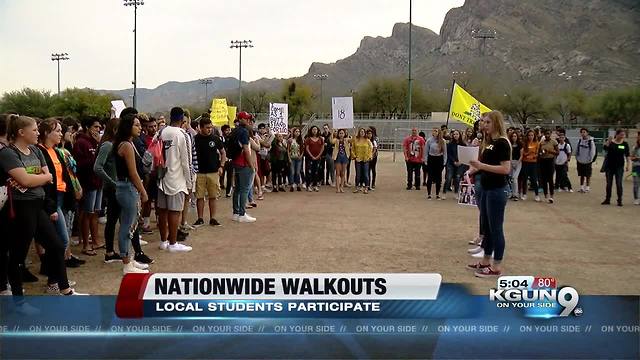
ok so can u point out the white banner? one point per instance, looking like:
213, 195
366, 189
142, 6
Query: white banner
342, 110
279, 118
283, 286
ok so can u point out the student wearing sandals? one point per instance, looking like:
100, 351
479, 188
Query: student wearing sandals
30, 214
341, 156
129, 189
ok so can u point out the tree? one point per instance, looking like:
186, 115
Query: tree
569, 104
28, 102
257, 100
299, 97
82, 102
618, 107
523, 104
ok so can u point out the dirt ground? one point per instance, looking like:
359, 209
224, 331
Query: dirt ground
594, 248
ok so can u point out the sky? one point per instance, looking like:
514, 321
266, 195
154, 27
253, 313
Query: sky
183, 40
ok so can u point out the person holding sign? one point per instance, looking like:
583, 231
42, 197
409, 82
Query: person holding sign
313, 148
617, 154
341, 155
495, 166
362, 153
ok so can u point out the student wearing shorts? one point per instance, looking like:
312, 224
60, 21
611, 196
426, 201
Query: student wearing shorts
211, 160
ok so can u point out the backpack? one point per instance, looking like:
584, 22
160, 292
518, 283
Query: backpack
156, 151
233, 145
590, 141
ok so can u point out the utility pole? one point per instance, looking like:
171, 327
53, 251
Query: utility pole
206, 83
322, 78
240, 44
410, 48
58, 57
135, 4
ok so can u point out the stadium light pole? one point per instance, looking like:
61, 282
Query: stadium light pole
483, 35
240, 44
206, 83
59, 57
322, 78
410, 48
135, 4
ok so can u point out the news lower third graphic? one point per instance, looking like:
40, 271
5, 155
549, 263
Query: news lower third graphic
323, 316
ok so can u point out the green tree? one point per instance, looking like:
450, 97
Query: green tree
299, 97
82, 102
618, 107
28, 102
523, 104
257, 101
569, 104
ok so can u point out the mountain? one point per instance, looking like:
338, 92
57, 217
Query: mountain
547, 44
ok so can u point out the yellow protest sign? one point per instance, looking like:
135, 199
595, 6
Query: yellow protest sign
232, 114
219, 112
464, 107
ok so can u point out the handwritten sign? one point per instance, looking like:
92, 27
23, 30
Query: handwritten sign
279, 118
219, 112
342, 110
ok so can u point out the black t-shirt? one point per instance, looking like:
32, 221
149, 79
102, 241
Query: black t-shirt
515, 151
498, 151
208, 151
616, 154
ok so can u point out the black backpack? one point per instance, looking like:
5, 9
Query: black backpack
233, 145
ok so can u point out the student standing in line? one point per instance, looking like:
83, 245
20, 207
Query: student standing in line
585, 155
314, 146
562, 163
516, 164
617, 155
373, 137
435, 156
279, 163
341, 155
413, 149
530, 152
211, 157
362, 152
295, 148
547, 155
454, 167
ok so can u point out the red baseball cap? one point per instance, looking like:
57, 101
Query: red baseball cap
244, 115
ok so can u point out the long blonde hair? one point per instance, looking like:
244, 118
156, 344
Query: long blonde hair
499, 130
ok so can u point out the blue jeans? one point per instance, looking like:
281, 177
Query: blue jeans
636, 182
61, 224
478, 195
452, 178
127, 196
362, 173
242, 183
492, 206
294, 173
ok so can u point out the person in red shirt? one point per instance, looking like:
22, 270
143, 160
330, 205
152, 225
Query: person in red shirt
313, 149
413, 147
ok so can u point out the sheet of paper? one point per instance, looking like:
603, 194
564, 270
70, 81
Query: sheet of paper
117, 106
467, 153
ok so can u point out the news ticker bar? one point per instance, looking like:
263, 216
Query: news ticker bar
160, 294
312, 328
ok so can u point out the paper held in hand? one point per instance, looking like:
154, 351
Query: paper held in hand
342, 111
116, 107
467, 153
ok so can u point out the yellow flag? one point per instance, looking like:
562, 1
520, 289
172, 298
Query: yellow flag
232, 115
464, 107
219, 112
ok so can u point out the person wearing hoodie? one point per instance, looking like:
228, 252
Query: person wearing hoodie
85, 151
585, 155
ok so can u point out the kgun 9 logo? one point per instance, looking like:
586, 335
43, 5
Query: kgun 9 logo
567, 297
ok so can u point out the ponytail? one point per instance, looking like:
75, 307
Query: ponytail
15, 123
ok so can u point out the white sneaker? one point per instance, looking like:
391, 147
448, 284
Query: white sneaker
6, 293
559, 190
235, 217
75, 293
475, 250
587, 189
163, 245
537, 198
444, 197
187, 227
177, 247
636, 202
102, 220
140, 266
523, 197
479, 255
246, 219
131, 269
570, 190
143, 243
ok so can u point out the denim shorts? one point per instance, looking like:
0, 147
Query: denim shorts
92, 201
342, 159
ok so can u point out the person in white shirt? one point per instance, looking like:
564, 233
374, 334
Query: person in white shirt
175, 181
562, 163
